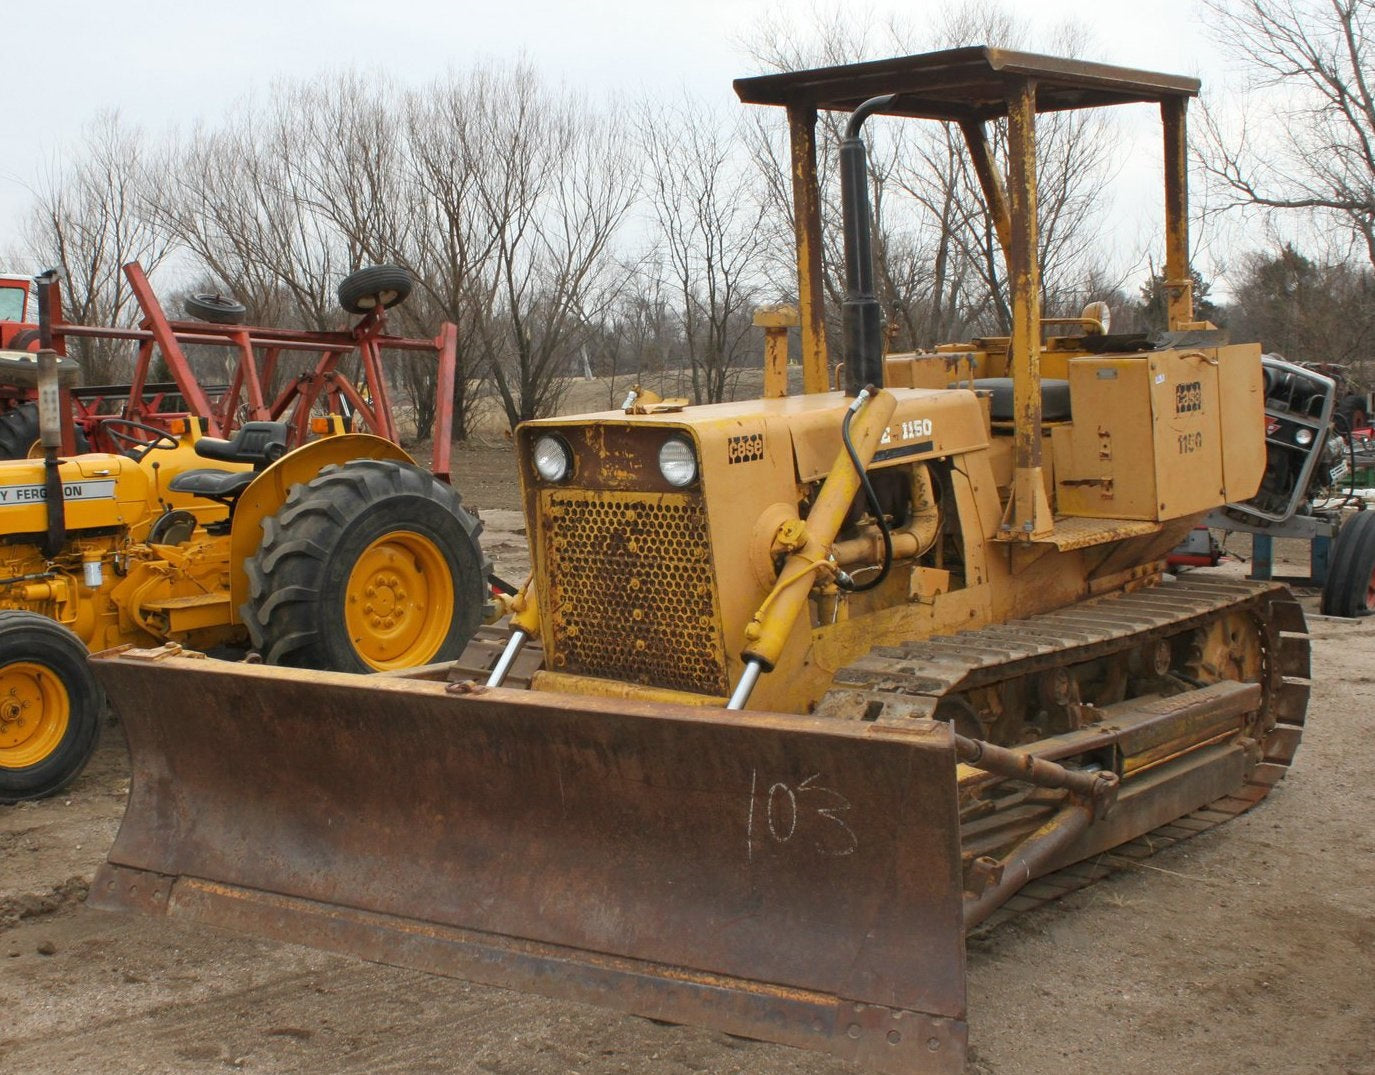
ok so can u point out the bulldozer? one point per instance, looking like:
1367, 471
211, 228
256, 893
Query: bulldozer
338, 552
801, 689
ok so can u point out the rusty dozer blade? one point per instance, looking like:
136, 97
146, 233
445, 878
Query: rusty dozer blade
787, 878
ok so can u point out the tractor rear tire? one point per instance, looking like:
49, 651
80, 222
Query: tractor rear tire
217, 309
1350, 587
386, 286
23, 341
19, 431
50, 707
371, 566
19, 437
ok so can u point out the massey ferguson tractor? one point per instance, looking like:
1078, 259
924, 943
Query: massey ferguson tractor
314, 546
801, 689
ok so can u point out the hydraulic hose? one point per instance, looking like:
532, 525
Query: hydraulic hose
874, 506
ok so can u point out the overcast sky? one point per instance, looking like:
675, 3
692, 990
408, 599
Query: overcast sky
164, 63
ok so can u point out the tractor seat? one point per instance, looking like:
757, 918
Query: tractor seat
212, 484
1054, 398
259, 443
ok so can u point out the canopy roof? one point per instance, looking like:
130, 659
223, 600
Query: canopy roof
971, 83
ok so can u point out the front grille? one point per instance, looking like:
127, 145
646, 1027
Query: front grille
629, 592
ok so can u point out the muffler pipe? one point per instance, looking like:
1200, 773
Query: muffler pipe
861, 316
50, 421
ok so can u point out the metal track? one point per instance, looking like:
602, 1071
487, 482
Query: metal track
892, 684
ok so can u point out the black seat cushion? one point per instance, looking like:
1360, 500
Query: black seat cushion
210, 483
1054, 397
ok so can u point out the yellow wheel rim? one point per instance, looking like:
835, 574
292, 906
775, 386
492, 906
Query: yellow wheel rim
399, 601
35, 711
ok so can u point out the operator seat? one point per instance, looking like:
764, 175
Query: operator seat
1054, 397
259, 443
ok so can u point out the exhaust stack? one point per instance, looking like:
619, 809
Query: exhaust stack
50, 420
863, 328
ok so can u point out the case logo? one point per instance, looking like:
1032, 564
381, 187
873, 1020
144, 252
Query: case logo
1188, 397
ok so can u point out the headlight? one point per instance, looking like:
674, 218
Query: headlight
1303, 437
553, 458
677, 462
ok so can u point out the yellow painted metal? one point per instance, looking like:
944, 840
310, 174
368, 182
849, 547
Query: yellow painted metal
525, 610
1028, 515
1158, 446
35, 710
1179, 283
99, 491
592, 686
191, 613
809, 562
811, 291
775, 321
1241, 383
268, 492
399, 601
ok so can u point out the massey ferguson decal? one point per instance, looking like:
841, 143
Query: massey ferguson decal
17, 495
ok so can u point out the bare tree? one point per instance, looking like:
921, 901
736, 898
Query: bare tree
552, 186
1307, 145
88, 222
639, 337
445, 242
1306, 310
697, 183
228, 197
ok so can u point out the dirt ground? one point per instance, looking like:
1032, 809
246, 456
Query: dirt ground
1249, 948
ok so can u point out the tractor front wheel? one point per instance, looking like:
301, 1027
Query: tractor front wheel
50, 707
371, 566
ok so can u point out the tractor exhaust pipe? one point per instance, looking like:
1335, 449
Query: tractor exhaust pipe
863, 327
50, 420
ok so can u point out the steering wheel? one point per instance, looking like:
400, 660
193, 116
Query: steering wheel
122, 432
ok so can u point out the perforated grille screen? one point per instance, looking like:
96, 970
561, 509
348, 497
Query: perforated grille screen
630, 594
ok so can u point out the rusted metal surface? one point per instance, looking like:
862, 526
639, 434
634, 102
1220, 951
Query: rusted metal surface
627, 577
1179, 283
775, 321
973, 83
155, 321
786, 878
257, 350
990, 180
1187, 760
1028, 513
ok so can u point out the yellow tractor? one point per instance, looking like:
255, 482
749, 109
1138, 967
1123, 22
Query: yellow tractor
801, 689
341, 553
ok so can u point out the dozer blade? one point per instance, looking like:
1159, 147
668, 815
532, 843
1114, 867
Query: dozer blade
787, 878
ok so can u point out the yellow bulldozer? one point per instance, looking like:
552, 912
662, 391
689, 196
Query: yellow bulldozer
337, 553
801, 689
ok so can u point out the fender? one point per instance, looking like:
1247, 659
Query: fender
268, 492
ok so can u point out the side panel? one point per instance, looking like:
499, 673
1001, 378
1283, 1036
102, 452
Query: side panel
1102, 460
1242, 382
1158, 436
1188, 451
